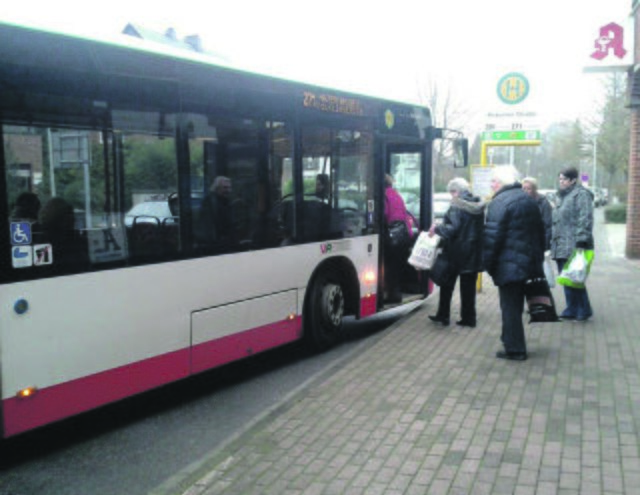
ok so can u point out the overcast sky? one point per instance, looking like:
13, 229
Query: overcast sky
386, 49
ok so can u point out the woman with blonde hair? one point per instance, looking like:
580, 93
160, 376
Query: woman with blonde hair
461, 234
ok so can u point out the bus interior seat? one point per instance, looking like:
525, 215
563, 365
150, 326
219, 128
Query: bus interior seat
145, 237
170, 230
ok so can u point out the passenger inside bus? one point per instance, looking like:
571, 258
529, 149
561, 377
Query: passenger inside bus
171, 226
174, 204
317, 214
58, 229
322, 186
26, 207
215, 225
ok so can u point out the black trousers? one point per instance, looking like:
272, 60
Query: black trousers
392, 266
467, 298
512, 306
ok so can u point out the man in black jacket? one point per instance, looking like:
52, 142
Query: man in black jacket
513, 253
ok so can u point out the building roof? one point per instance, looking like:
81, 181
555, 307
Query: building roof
170, 38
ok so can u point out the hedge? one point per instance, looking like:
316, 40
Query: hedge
616, 213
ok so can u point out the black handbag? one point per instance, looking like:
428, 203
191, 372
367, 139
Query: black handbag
397, 235
443, 271
540, 303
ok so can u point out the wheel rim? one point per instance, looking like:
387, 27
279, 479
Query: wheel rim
333, 304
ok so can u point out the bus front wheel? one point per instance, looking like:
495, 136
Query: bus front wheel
326, 310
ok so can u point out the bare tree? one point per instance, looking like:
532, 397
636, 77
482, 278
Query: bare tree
447, 112
613, 135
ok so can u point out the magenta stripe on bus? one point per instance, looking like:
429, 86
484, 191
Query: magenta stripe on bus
67, 399
368, 306
241, 345
61, 401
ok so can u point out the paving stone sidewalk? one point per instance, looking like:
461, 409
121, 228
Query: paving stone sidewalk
428, 410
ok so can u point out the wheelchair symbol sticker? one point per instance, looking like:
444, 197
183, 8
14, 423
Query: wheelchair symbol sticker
20, 233
21, 256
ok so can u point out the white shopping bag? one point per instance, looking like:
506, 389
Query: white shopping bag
576, 269
424, 251
548, 270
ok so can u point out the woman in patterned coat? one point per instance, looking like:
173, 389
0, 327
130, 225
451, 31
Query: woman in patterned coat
572, 229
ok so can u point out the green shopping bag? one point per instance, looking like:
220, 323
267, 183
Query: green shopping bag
576, 269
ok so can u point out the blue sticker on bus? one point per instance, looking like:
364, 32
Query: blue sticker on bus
20, 233
21, 256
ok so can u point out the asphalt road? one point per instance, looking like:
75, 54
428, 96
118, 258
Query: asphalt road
149, 444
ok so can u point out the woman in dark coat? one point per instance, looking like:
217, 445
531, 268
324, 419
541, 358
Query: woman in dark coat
513, 253
530, 186
461, 233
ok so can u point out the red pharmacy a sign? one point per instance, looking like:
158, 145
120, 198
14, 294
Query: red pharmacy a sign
610, 41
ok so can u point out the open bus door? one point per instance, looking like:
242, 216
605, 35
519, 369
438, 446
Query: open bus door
407, 165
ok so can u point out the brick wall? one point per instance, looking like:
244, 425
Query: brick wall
633, 201
633, 198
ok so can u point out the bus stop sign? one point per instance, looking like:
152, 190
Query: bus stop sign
511, 136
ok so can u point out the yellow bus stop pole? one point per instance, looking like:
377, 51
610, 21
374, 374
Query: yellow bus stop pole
483, 163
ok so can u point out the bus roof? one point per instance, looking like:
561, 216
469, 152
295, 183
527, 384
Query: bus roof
10, 32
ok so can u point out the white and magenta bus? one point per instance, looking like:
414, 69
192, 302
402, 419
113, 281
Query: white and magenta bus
165, 215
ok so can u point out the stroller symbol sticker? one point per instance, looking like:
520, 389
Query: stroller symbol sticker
21, 256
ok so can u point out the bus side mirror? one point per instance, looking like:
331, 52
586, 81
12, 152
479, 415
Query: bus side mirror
460, 152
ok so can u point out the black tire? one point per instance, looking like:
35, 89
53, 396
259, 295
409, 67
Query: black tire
325, 308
